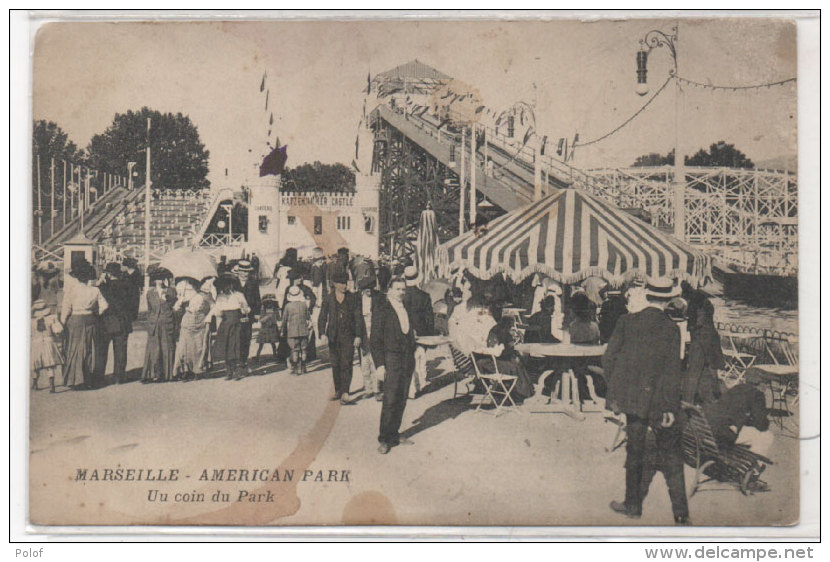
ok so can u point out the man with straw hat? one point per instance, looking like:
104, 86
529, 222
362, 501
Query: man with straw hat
643, 370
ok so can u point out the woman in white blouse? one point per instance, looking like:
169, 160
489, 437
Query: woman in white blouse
228, 310
81, 307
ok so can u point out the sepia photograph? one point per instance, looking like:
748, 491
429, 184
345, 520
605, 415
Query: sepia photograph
415, 272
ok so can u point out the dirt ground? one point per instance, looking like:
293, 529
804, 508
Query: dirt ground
465, 467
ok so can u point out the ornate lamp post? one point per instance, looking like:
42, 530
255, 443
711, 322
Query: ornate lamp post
652, 40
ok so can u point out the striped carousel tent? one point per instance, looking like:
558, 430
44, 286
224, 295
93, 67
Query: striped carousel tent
570, 236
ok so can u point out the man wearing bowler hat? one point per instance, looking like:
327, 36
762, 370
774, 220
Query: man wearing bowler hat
341, 321
114, 326
643, 371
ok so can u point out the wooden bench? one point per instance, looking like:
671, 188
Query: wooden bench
736, 464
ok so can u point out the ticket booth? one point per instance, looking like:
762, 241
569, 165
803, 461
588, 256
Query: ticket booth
79, 247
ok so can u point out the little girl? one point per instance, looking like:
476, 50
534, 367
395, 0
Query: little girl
269, 330
46, 356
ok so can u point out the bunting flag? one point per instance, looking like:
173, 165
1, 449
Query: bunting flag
267, 94
271, 120
569, 236
560, 147
354, 165
274, 163
356, 147
262, 85
369, 83
544, 143
479, 109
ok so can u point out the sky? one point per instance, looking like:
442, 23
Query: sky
583, 73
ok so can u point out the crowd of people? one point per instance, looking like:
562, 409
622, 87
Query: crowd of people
662, 345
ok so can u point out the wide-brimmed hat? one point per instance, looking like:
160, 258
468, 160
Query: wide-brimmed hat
243, 266
340, 277
159, 273
661, 288
410, 275
40, 309
113, 268
295, 294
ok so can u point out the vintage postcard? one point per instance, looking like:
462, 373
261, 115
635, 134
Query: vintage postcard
458, 273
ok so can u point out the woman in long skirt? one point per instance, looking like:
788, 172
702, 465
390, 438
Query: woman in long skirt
229, 309
160, 351
80, 309
190, 347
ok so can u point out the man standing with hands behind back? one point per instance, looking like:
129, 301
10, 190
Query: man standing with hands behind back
643, 370
341, 320
393, 351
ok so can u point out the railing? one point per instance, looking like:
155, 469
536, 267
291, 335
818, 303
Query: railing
724, 207
218, 240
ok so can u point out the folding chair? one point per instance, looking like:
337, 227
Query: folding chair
497, 386
463, 367
736, 464
737, 362
781, 376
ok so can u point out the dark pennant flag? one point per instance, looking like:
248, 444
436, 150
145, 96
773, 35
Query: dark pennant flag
274, 163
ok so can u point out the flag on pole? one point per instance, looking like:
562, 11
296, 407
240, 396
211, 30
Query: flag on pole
274, 163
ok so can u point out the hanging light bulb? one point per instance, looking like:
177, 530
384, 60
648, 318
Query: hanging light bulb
642, 72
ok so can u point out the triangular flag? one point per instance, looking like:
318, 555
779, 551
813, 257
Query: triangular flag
274, 163
271, 121
267, 94
262, 85
354, 165
369, 83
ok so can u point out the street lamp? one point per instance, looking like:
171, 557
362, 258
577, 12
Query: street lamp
130, 172
652, 40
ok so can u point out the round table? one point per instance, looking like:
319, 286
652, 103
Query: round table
565, 397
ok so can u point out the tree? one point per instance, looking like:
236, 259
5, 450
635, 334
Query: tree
178, 157
654, 159
720, 154
319, 177
50, 141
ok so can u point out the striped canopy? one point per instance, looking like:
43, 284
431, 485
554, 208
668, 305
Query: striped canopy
570, 236
426, 245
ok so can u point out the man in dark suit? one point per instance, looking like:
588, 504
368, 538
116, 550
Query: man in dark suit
419, 304
114, 326
643, 371
134, 281
341, 321
393, 351
250, 289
